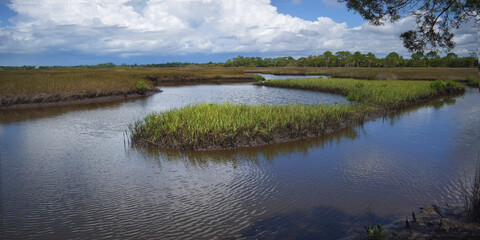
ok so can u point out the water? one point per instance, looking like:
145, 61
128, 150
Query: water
272, 76
67, 173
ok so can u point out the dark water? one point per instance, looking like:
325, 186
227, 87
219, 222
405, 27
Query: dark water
67, 173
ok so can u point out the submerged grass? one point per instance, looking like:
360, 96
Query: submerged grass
214, 126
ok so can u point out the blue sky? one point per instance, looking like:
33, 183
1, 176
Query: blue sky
58, 32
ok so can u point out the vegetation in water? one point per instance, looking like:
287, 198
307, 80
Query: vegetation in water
377, 73
228, 125
471, 196
389, 95
258, 78
206, 126
376, 232
473, 82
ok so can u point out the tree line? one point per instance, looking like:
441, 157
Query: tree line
327, 59
358, 59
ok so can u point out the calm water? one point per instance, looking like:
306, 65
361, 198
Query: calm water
67, 172
272, 76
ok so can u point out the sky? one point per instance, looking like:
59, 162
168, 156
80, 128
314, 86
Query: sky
74, 32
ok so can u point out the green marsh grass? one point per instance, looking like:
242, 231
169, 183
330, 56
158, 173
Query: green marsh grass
473, 82
387, 94
377, 73
220, 126
203, 126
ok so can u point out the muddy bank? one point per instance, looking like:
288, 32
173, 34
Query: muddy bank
430, 222
76, 99
187, 80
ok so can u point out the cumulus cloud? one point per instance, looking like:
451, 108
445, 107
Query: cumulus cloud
179, 27
333, 3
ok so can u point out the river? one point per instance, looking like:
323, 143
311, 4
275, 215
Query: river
69, 172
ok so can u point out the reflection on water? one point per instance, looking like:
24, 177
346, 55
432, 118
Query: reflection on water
67, 174
268, 152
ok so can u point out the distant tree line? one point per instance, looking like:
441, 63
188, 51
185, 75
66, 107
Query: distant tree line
113, 66
358, 59
327, 59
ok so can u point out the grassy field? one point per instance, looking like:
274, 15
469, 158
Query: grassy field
456, 74
40, 86
218, 126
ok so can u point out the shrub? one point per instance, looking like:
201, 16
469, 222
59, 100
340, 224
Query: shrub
141, 87
438, 84
353, 97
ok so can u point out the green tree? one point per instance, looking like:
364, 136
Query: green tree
370, 58
435, 19
344, 58
358, 58
329, 58
417, 60
392, 60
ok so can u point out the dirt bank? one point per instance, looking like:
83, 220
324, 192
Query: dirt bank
186, 80
58, 100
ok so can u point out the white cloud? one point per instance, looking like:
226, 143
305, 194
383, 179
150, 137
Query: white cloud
333, 3
179, 27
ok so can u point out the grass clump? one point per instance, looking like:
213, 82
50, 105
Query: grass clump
473, 82
141, 87
206, 126
258, 78
471, 196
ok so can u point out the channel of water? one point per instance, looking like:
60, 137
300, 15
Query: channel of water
67, 172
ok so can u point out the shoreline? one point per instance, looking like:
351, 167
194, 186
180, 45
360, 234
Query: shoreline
431, 222
76, 100
192, 80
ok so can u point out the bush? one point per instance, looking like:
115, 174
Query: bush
353, 97
141, 87
438, 84
451, 84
